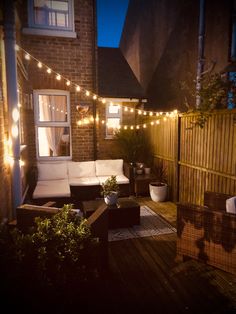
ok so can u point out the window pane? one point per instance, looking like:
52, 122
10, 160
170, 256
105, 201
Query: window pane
113, 109
53, 141
52, 108
112, 125
51, 13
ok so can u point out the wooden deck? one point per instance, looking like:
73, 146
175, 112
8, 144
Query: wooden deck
144, 275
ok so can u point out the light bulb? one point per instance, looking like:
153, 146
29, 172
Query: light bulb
40, 65
58, 77
49, 71
68, 83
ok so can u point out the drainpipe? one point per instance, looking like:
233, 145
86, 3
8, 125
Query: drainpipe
201, 38
94, 64
12, 99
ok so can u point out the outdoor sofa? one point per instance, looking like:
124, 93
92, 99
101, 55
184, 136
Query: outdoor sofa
71, 181
208, 232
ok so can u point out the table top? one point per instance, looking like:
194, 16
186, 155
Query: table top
123, 202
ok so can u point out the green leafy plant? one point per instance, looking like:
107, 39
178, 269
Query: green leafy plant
110, 186
134, 146
160, 173
213, 95
57, 251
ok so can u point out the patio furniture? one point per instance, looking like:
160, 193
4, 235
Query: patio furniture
71, 181
98, 223
125, 213
208, 232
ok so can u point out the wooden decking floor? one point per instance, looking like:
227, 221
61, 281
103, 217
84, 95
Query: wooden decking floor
144, 275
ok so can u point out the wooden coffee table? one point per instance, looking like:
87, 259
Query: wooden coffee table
125, 213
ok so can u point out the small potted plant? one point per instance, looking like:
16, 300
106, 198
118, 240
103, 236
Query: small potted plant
110, 190
159, 188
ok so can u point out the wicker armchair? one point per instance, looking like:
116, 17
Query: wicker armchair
208, 232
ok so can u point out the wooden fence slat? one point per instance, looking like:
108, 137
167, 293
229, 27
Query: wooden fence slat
204, 159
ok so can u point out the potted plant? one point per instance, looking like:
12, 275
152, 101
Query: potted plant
134, 147
158, 189
110, 190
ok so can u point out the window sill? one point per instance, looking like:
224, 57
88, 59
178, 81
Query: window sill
49, 32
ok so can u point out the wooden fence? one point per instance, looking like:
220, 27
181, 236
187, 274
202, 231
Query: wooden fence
197, 159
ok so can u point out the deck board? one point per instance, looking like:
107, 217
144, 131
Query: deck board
147, 276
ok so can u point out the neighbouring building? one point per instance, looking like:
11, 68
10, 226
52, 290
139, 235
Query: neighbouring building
160, 43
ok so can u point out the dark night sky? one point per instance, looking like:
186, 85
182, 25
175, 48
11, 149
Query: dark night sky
110, 18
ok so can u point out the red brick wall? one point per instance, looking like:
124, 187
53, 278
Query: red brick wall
74, 59
5, 185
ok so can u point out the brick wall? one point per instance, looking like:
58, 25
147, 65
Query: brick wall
74, 59
160, 43
5, 185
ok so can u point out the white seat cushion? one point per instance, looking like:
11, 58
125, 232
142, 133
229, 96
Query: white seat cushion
52, 171
52, 188
231, 205
78, 169
121, 179
109, 167
88, 181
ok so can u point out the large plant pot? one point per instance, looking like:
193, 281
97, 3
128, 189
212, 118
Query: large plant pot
111, 199
158, 191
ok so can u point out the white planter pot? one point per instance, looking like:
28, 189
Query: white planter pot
158, 191
111, 199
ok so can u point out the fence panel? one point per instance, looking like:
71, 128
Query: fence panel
197, 159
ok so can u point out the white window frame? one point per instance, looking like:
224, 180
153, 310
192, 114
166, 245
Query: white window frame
48, 30
39, 123
118, 115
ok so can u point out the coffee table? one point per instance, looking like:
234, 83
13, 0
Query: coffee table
125, 213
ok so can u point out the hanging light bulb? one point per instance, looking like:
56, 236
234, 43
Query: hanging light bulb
131, 110
78, 88
27, 56
15, 114
103, 100
140, 112
94, 97
137, 127
87, 93
58, 77
49, 71
68, 83
40, 65
150, 113
144, 126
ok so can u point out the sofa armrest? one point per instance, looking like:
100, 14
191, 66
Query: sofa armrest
128, 171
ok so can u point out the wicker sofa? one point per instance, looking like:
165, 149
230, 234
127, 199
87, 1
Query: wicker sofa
70, 181
208, 232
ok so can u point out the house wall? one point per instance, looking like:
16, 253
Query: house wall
5, 185
74, 59
160, 42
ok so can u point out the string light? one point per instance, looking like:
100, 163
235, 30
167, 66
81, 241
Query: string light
58, 76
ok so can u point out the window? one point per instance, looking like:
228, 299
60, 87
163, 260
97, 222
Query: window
113, 119
50, 17
52, 121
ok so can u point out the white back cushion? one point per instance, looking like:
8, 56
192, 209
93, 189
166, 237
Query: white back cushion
109, 167
79, 169
52, 171
231, 205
